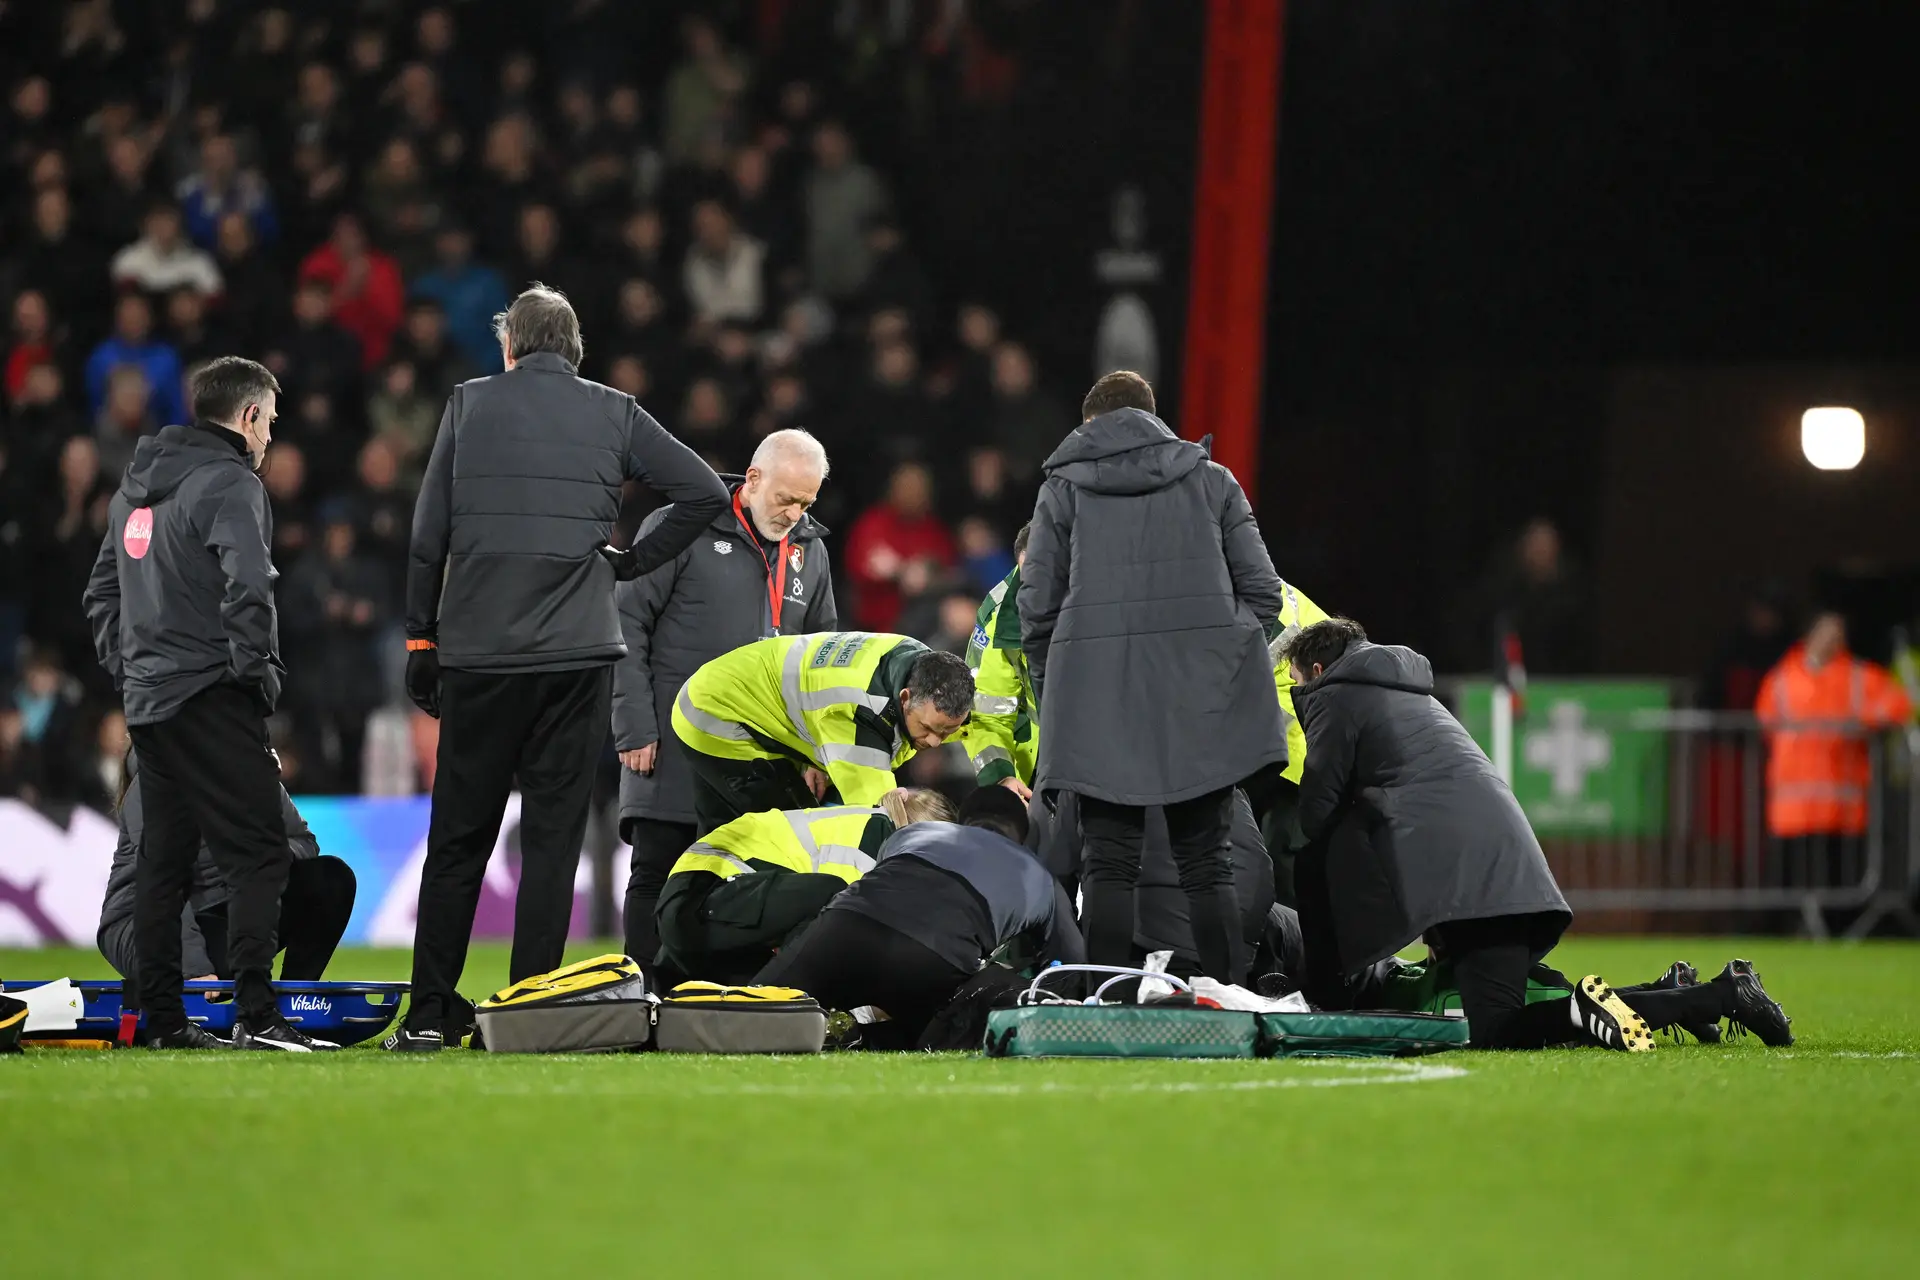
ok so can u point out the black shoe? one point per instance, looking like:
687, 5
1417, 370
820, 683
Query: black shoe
1682, 975
404, 1040
1753, 1009
1606, 1019
277, 1034
191, 1036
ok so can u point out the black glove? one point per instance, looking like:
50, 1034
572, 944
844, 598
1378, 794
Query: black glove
625, 567
423, 680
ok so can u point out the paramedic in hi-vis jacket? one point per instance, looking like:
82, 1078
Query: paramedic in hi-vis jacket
738, 893
1003, 737
758, 570
777, 723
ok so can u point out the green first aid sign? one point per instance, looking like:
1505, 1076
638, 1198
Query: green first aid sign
1584, 763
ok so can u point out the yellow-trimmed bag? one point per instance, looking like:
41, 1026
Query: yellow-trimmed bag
598, 1004
706, 1017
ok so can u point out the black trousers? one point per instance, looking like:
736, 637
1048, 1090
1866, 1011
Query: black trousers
1198, 830
726, 789
849, 959
544, 728
657, 846
207, 773
314, 911
726, 930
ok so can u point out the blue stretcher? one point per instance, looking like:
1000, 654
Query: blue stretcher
343, 1012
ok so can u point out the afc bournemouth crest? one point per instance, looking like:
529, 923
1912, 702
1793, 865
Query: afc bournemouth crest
797, 558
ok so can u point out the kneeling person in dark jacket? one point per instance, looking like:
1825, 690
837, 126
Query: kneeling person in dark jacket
942, 900
314, 907
1410, 832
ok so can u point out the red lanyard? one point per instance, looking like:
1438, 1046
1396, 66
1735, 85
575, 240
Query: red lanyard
776, 576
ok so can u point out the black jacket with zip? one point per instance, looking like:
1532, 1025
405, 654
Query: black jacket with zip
181, 596
710, 599
520, 493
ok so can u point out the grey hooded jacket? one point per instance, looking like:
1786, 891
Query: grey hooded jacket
710, 599
1415, 826
181, 595
1144, 606
520, 493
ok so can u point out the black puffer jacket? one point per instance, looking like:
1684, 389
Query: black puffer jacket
520, 492
1415, 826
181, 596
209, 889
1144, 606
710, 599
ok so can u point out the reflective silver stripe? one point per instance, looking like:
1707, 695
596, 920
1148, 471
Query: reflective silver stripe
999, 594
986, 704
790, 690
802, 820
1819, 791
864, 757
714, 851
1292, 605
707, 723
841, 695
991, 756
842, 855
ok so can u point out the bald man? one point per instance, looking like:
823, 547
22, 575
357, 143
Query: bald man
759, 570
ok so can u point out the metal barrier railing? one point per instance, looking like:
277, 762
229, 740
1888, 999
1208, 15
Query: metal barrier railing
1704, 842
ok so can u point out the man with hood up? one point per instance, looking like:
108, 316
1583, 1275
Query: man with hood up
1145, 604
181, 602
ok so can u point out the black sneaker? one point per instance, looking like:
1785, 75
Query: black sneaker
277, 1034
1606, 1019
1753, 1009
404, 1040
1681, 975
191, 1036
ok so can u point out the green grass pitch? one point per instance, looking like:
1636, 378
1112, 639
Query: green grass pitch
1727, 1160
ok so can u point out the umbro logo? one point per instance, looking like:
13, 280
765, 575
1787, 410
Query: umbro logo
724, 547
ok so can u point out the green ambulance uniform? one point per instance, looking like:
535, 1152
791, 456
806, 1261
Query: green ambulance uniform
1296, 613
754, 718
738, 893
1003, 737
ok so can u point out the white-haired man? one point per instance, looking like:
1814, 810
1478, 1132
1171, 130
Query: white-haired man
759, 570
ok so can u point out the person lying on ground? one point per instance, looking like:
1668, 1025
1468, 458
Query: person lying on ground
749, 887
944, 898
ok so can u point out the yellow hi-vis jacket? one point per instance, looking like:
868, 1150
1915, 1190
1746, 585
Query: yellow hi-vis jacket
829, 700
834, 841
1002, 738
1296, 612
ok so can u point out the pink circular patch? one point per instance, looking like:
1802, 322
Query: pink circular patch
139, 534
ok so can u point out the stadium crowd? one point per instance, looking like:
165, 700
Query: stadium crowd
349, 192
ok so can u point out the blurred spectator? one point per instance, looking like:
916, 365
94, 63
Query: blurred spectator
329, 444
421, 114
107, 775
1732, 682
438, 367
367, 294
436, 44
335, 604
62, 264
643, 247
255, 301
29, 124
630, 374
132, 343
317, 118
193, 334
385, 509
509, 182
48, 700
31, 339
985, 553
842, 196
1531, 591
896, 548
992, 496
958, 612
162, 259
318, 193
124, 193
889, 412
640, 326
67, 538
1023, 420
219, 187
126, 416
403, 420
722, 276
625, 160
543, 257
285, 475
707, 427
896, 279
763, 212
19, 766
42, 421
316, 354
470, 294
701, 91
401, 207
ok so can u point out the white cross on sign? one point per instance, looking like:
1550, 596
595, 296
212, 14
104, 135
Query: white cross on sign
1569, 750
